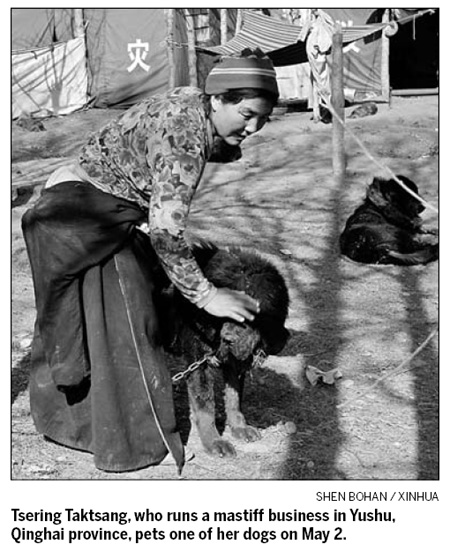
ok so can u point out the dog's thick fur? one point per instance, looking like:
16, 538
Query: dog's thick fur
235, 345
387, 229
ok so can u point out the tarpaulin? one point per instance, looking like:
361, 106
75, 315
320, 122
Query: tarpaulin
128, 54
280, 40
40, 27
50, 80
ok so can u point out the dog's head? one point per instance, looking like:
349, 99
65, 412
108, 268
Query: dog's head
241, 271
388, 193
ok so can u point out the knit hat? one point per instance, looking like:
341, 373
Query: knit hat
242, 72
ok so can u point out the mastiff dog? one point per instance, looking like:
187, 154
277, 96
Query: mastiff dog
210, 346
387, 229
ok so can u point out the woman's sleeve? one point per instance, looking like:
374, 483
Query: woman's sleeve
176, 156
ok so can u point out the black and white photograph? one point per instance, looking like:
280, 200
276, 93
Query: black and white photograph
225, 244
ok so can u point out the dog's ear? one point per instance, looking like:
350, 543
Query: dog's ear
203, 252
374, 187
274, 334
376, 183
389, 190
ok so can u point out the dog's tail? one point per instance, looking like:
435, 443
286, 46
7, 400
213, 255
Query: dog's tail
422, 256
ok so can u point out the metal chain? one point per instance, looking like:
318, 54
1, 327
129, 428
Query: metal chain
259, 359
208, 357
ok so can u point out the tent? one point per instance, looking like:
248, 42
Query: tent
366, 48
411, 52
414, 52
49, 80
280, 40
120, 57
128, 54
115, 57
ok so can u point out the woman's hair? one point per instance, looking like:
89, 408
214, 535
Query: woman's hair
235, 96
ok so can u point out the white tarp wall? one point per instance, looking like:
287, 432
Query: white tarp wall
294, 81
49, 81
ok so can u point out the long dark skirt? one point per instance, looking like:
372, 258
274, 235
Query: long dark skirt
99, 381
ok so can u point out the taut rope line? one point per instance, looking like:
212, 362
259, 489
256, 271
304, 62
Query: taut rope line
383, 167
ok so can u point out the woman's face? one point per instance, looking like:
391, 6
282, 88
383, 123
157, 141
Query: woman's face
234, 122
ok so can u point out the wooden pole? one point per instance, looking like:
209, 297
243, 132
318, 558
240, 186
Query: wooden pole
385, 78
79, 33
337, 101
238, 20
78, 23
223, 26
170, 46
192, 54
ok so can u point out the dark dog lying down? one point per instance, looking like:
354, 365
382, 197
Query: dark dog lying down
234, 345
387, 229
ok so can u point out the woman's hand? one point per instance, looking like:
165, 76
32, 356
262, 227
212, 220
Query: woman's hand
236, 305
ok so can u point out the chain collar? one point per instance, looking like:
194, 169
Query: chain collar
209, 358
214, 361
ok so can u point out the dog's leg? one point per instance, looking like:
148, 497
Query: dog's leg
234, 387
201, 397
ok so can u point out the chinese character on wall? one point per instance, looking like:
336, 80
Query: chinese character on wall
138, 53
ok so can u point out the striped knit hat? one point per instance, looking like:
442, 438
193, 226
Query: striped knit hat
242, 72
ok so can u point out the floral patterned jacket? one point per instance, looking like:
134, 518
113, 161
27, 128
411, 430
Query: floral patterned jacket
155, 154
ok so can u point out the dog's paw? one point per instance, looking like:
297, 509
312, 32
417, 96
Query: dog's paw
429, 239
430, 231
221, 448
247, 433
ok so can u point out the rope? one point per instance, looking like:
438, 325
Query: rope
397, 370
140, 364
414, 17
382, 166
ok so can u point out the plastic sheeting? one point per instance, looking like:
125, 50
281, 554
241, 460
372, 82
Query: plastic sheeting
49, 81
280, 40
294, 82
33, 28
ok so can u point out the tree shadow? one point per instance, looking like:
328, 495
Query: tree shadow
319, 438
318, 281
273, 400
20, 375
425, 376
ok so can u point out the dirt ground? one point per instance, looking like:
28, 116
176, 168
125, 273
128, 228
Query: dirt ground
380, 419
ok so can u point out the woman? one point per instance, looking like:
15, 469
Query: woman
99, 381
